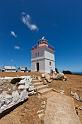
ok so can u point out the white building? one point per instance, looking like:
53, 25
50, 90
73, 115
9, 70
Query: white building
9, 68
43, 59
22, 69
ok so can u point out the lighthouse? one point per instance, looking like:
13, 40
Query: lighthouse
43, 57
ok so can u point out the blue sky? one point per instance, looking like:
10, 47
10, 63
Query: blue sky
23, 22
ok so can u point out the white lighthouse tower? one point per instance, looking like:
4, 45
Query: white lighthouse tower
43, 59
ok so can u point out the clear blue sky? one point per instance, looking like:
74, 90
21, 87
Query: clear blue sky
23, 22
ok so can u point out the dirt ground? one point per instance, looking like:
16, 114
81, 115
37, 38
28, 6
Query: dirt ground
27, 113
73, 83
15, 74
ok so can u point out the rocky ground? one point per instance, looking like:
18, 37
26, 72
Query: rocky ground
73, 83
27, 112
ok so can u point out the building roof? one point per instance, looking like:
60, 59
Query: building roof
9, 67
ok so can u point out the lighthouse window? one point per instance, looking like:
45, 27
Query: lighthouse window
38, 54
50, 63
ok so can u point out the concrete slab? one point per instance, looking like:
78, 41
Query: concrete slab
60, 110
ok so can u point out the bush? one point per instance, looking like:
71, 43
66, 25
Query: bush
56, 70
15, 80
67, 72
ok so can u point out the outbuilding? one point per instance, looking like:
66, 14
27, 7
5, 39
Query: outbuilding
9, 69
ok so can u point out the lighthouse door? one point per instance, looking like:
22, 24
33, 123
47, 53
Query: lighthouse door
37, 66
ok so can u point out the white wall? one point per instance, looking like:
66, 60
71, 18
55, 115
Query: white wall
33, 66
49, 67
44, 65
41, 65
45, 56
49, 55
36, 51
10, 70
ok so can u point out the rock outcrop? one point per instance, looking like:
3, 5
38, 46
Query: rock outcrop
24, 89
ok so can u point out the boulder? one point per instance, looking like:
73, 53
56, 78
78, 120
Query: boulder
75, 95
31, 93
49, 80
43, 102
59, 76
65, 78
31, 88
23, 95
80, 107
5, 98
4, 107
14, 87
22, 82
45, 82
8, 99
21, 87
53, 76
25, 80
39, 78
80, 99
43, 75
27, 86
2, 102
28, 79
62, 92
47, 77
15, 96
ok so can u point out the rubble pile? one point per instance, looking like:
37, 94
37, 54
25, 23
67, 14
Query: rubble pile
58, 76
48, 78
76, 96
24, 88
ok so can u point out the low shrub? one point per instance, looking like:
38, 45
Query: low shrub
67, 72
15, 80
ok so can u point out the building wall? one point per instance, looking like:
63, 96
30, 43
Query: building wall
49, 55
44, 65
33, 66
49, 67
37, 53
49, 58
41, 65
6, 70
45, 57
